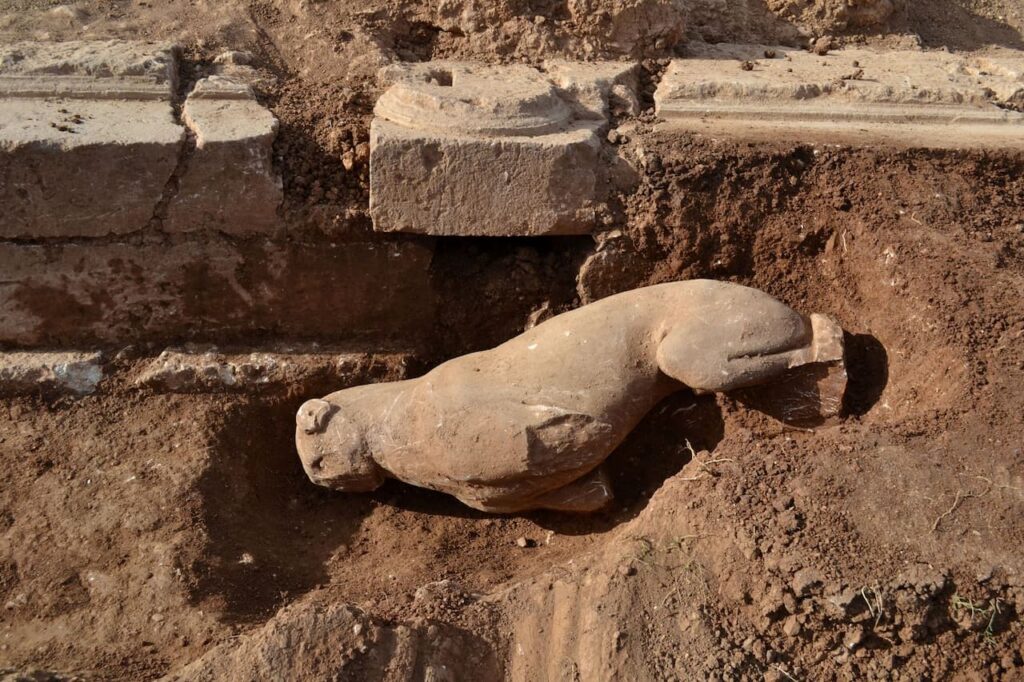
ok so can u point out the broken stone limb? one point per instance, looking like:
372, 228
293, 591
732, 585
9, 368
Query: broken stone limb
528, 424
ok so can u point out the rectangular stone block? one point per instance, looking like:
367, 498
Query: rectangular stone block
459, 149
81, 168
102, 69
26, 372
212, 290
597, 87
228, 183
88, 139
930, 97
447, 185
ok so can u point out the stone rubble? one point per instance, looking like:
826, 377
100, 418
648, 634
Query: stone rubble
26, 372
188, 370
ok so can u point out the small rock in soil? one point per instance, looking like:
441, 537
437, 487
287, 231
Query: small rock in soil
782, 503
805, 579
853, 639
789, 521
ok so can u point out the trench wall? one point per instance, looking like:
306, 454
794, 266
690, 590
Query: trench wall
144, 206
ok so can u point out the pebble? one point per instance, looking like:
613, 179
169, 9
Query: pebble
792, 627
524, 542
362, 152
234, 57
789, 521
805, 579
853, 639
782, 503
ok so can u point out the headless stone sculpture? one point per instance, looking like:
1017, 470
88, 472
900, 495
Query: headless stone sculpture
527, 425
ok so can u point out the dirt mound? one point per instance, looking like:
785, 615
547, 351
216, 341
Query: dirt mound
339, 642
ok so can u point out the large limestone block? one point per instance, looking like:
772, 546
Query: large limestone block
528, 425
88, 139
102, 69
458, 149
929, 97
229, 183
212, 289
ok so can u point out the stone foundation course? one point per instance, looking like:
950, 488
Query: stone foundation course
136, 207
91, 145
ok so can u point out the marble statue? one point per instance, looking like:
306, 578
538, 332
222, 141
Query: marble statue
528, 424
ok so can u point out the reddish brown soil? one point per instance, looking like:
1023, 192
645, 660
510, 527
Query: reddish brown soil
130, 519
140, 531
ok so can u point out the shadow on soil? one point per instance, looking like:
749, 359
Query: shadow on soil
270, 531
867, 365
657, 449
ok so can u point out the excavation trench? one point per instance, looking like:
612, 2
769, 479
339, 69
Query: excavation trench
272, 535
158, 526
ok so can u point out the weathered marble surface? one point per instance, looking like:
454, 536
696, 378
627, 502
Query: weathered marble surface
528, 424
